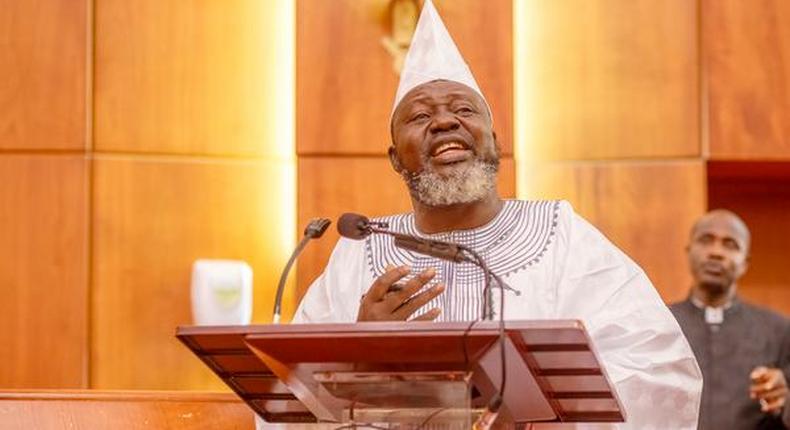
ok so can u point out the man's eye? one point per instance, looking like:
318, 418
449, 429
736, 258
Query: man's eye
464, 110
420, 116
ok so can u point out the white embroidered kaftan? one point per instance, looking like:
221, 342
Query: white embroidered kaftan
564, 269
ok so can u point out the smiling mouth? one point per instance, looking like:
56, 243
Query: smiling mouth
449, 146
451, 153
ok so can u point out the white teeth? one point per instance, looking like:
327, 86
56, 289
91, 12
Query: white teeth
447, 146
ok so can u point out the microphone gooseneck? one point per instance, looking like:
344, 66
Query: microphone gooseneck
315, 229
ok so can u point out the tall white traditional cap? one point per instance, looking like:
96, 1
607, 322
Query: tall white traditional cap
432, 55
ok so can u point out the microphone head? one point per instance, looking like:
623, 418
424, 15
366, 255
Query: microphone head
316, 227
353, 226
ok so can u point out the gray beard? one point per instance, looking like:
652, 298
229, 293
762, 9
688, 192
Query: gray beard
461, 186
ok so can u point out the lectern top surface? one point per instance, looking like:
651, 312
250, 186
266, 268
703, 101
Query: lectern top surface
559, 354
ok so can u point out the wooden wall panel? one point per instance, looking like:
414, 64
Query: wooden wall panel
330, 186
191, 77
747, 58
645, 208
153, 217
43, 271
43, 74
601, 79
123, 410
764, 206
345, 80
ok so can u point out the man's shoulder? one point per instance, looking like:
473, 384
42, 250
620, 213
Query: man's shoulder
537, 206
555, 213
764, 314
683, 304
682, 308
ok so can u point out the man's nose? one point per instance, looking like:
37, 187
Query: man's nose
716, 251
444, 121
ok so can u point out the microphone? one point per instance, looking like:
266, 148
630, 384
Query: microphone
354, 226
315, 229
358, 227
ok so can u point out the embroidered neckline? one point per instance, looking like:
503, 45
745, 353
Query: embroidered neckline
518, 237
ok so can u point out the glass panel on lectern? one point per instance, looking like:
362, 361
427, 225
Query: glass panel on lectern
403, 400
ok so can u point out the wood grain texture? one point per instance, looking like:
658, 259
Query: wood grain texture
189, 77
764, 205
604, 79
43, 74
43, 271
345, 83
645, 208
331, 186
746, 50
122, 410
153, 217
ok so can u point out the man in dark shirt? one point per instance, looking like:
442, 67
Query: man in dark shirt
743, 350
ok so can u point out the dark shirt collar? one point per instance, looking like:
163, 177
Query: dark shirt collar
697, 303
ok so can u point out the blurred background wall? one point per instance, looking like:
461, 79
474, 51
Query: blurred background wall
136, 137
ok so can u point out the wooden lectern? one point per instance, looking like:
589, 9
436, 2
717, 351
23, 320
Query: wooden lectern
415, 372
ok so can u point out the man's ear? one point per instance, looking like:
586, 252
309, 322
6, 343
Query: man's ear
744, 268
745, 265
394, 161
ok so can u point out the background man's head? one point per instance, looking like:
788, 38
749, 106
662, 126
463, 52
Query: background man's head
443, 144
718, 251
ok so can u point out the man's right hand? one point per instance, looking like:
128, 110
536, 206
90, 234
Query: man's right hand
770, 388
383, 303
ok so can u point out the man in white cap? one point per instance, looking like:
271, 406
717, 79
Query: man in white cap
557, 264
